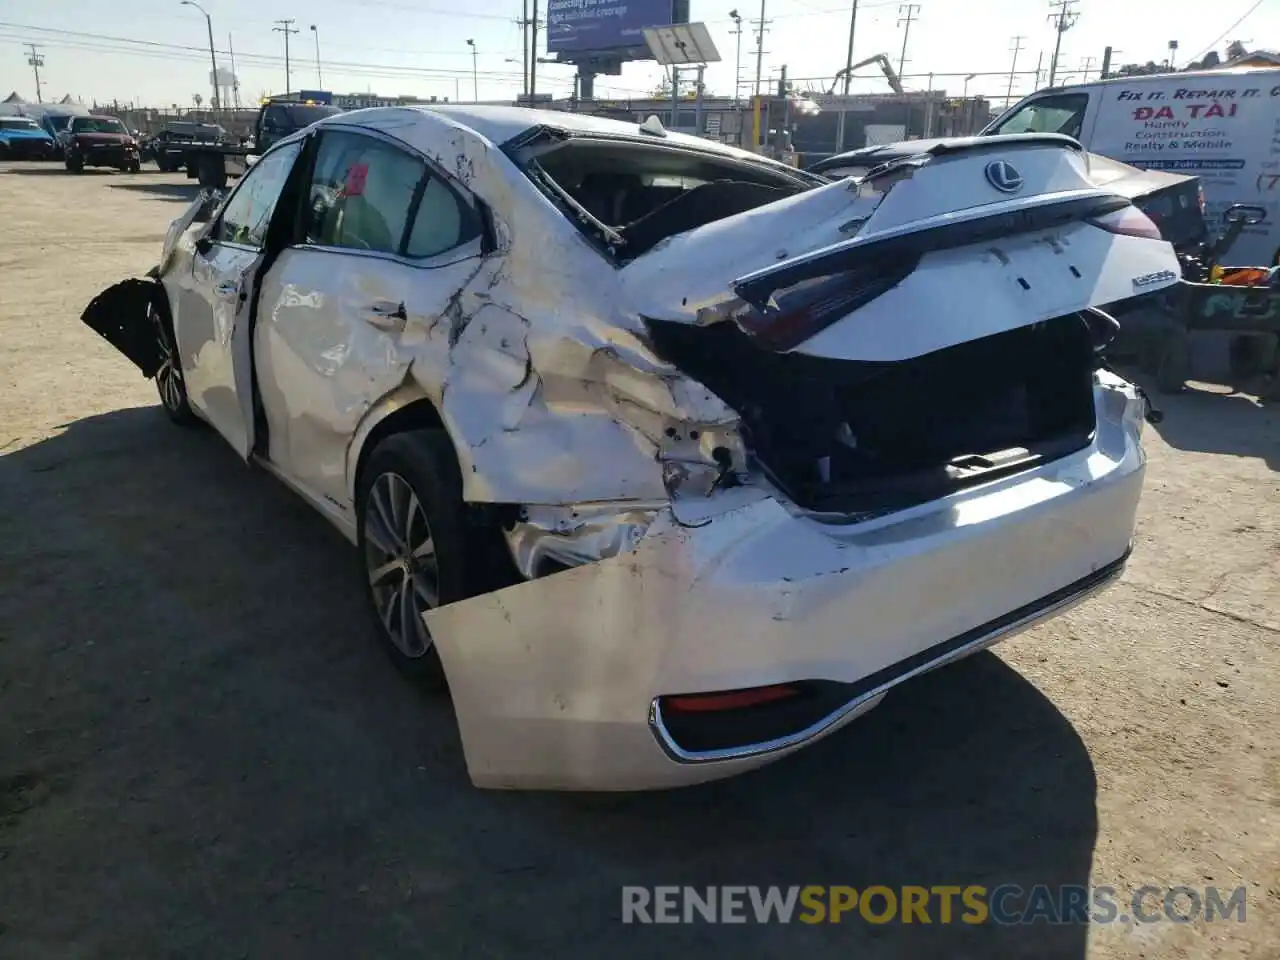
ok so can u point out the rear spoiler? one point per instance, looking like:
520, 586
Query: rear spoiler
943, 232
885, 157
1003, 142
822, 286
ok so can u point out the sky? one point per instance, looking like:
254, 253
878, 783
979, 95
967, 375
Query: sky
155, 52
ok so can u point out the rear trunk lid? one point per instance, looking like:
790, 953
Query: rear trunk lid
935, 251
1171, 200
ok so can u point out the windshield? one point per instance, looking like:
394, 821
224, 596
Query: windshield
97, 125
295, 116
1063, 113
17, 123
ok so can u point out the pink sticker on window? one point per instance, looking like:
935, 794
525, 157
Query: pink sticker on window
356, 176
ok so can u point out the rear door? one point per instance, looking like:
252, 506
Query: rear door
386, 242
214, 296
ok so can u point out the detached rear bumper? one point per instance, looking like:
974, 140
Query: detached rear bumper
557, 681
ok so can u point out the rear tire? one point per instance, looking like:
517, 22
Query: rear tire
75, 166
1249, 355
135, 166
1175, 363
416, 549
213, 173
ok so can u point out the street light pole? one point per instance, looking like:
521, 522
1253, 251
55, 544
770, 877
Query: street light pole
475, 72
319, 73
213, 60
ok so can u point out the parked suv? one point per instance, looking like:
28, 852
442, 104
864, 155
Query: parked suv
22, 139
99, 142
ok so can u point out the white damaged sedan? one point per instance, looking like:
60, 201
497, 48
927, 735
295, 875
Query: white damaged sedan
668, 459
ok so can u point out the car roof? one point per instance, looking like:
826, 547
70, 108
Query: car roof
500, 124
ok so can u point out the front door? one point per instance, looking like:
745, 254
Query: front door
214, 298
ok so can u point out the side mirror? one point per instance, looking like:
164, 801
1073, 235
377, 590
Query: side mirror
204, 245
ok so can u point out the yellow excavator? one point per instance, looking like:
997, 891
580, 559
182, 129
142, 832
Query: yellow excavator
889, 74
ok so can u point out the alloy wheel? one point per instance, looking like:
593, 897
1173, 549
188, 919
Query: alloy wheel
400, 559
169, 376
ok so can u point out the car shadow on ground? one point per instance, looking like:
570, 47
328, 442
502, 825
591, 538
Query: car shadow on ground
56, 169
1212, 418
205, 746
184, 192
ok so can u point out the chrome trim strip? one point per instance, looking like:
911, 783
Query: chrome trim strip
1088, 586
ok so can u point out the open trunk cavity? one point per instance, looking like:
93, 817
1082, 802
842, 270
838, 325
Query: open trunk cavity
864, 438
642, 193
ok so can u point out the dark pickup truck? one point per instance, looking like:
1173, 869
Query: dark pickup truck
170, 149
279, 117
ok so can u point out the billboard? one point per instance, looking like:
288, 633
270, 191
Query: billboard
582, 26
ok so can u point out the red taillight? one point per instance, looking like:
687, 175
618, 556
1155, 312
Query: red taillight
729, 700
1128, 222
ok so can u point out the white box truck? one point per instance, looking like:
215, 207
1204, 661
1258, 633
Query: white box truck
1222, 126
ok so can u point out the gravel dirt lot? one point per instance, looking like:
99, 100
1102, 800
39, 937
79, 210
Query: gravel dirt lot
203, 753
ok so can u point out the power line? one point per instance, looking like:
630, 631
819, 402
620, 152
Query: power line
275, 57
102, 43
1218, 39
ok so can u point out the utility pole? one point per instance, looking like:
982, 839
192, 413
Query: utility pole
1013, 69
737, 60
1107, 53
235, 79
760, 26
1063, 20
524, 45
848, 58
675, 96
1086, 64
475, 72
533, 53
907, 13
286, 27
848, 76
36, 60
319, 74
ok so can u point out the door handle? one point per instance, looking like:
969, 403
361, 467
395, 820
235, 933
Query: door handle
228, 290
386, 315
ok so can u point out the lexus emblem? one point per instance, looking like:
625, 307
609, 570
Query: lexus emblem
1002, 175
